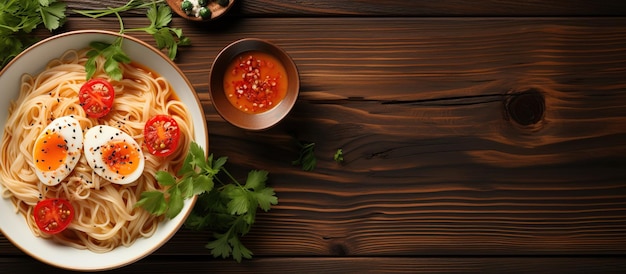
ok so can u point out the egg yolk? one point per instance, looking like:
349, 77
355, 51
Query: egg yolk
50, 151
120, 157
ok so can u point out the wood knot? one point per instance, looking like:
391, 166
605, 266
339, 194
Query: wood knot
336, 246
337, 249
525, 108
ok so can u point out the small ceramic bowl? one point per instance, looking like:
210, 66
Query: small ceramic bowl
220, 96
216, 8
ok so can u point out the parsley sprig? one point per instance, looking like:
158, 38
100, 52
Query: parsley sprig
160, 16
18, 18
227, 208
113, 55
338, 156
306, 156
230, 210
165, 37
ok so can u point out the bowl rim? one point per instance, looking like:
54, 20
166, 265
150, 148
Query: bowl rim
189, 203
224, 109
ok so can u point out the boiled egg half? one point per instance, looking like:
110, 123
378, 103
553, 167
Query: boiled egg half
57, 150
113, 154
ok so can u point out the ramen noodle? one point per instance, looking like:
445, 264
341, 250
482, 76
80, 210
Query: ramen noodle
105, 213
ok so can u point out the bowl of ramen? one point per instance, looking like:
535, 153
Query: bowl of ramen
253, 84
76, 154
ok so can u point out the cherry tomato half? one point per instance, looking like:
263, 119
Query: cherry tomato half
161, 135
96, 97
53, 215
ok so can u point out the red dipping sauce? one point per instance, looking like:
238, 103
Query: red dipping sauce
255, 82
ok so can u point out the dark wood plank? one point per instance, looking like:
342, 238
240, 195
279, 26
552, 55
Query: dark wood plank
327, 8
160, 264
433, 167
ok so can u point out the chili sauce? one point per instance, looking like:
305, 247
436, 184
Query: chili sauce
255, 82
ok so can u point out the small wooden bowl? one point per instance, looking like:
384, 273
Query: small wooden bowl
216, 9
239, 118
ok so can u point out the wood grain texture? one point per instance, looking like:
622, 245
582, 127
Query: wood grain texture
437, 177
306, 8
157, 264
432, 165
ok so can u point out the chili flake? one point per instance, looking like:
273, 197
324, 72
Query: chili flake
255, 82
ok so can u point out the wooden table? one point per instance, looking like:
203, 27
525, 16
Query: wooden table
478, 136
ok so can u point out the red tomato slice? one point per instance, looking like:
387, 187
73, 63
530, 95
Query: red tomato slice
53, 215
96, 97
161, 135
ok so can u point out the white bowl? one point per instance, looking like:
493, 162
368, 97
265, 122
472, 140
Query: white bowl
33, 60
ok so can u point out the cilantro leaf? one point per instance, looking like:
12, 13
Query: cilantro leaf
266, 197
176, 202
112, 54
164, 178
228, 243
153, 201
235, 205
99, 46
165, 39
197, 221
338, 157
306, 157
163, 16
220, 246
228, 210
239, 250
19, 18
256, 179
152, 15
199, 161
186, 186
160, 16
240, 201
53, 13
202, 184
194, 157
248, 220
217, 165
209, 213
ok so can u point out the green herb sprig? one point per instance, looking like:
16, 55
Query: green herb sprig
113, 56
338, 157
196, 178
165, 37
228, 209
18, 18
306, 156
160, 16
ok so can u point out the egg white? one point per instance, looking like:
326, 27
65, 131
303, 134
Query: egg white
72, 133
99, 136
